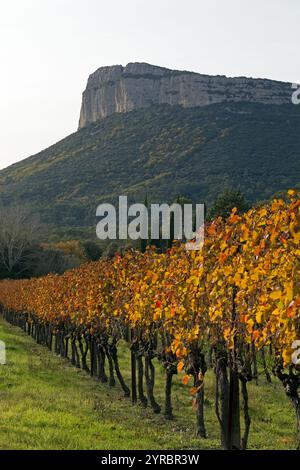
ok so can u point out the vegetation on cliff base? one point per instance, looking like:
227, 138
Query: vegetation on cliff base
163, 152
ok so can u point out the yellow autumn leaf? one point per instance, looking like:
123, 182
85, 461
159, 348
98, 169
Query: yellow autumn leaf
276, 294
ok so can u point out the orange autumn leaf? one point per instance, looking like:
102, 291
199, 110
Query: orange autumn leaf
185, 379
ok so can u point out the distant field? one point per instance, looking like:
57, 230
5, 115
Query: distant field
48, 404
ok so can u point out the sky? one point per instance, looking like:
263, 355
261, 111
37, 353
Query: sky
48, 48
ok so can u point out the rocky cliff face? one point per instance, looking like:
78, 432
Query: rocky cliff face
118, 89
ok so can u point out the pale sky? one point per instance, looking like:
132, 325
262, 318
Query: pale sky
49, 47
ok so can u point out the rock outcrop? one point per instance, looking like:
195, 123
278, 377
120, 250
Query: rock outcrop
118, 89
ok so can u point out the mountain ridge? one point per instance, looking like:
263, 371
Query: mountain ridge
119, 89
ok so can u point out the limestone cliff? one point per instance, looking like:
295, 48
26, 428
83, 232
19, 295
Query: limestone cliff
118, 89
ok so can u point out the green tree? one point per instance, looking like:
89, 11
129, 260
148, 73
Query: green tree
229, 199
92, 250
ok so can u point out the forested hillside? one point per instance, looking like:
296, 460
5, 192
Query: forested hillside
163, 152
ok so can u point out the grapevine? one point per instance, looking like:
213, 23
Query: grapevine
238, 295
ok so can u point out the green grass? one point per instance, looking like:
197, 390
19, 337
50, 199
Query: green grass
48, 404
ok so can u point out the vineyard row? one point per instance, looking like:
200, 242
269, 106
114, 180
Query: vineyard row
190, 310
